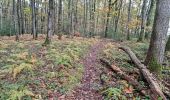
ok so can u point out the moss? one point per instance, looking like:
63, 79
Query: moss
155, 67
168, 45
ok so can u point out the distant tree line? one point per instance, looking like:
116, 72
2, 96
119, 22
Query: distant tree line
118, 19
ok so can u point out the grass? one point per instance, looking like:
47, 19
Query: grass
30, 71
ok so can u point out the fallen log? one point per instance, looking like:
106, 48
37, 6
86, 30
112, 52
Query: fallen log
124, 76
153, 84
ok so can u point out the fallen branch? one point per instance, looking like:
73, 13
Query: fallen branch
153, 84
124, 76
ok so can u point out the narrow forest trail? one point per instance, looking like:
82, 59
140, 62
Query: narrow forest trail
91, 76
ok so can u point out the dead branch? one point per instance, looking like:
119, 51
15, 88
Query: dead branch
153, 84
124, 76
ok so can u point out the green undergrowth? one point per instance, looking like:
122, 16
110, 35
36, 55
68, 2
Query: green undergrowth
120, 59
112, 53
121, 89
30, 71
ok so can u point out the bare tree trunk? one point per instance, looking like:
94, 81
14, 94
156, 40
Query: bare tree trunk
158, 40
107, 20
118, 16
59, 29
19, 19
142, 31
75, 16
129, 19
1, 7
50, 23
85, 18
14, 20
22, 18
150, 17
33, 19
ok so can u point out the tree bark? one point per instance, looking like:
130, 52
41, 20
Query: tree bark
14, 20
143, 21
129, 19
118, 16
150, 17
33, 19
59, 29
159, 33
108, 16
50, 23
19, 19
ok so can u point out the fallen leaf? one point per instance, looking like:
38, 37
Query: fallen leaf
128, 90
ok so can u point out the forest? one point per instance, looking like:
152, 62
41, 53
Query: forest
84, 49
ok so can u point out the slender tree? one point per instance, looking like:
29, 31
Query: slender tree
14, 20
50, 23
19, 19
129, 19
33, 19
118, 16
150, 17
59, 29
108, 17
143, 22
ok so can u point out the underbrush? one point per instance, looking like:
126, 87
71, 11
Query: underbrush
30, 71
121, 89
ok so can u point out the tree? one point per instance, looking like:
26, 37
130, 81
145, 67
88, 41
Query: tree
108, 17
155, 55
19, 19
59, 29
50, 23
129, 19
150, 17
33, 19
14, 20
143, 16
118, 16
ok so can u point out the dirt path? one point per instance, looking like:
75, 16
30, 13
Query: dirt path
91, 80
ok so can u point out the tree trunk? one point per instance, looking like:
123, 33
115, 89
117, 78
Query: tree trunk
19, 19
129, 19
59, 29
118, 16
155, 55
150, 17
14, 20
108, 17
33, 19
50, 23
143, 22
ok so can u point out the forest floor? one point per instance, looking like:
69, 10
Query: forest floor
69, 69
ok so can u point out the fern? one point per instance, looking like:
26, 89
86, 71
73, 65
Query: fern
112, 93
17, 95
21, 67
